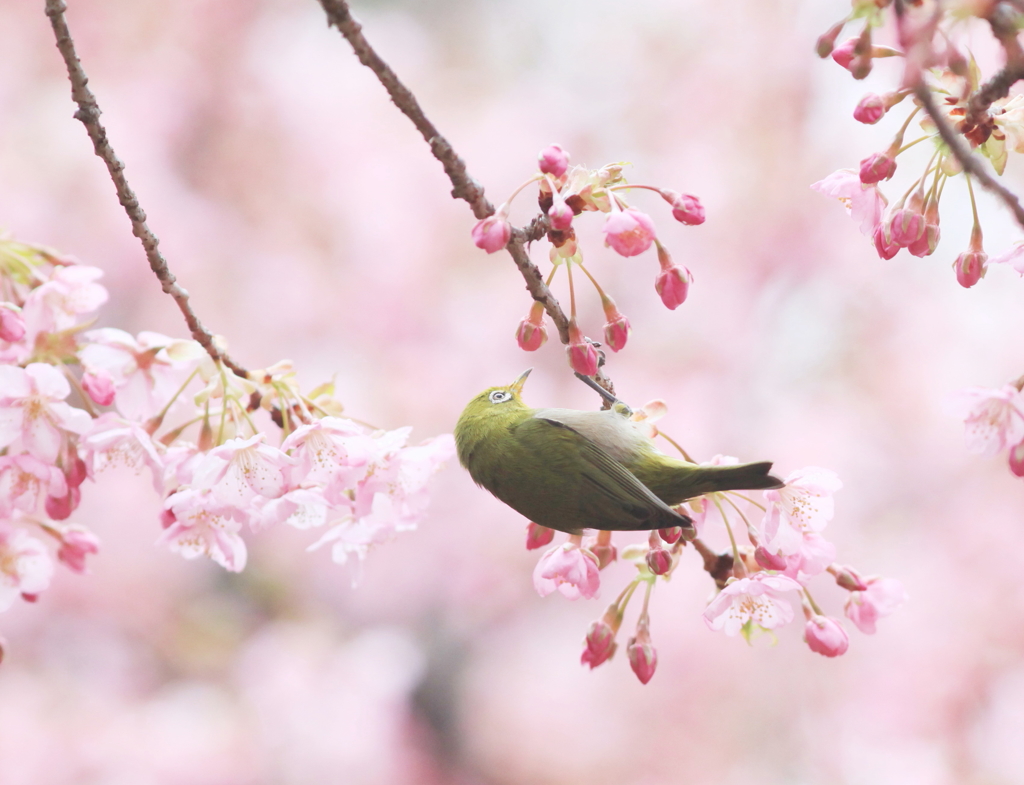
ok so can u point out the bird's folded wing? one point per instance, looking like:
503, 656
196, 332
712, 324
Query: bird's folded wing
610, 496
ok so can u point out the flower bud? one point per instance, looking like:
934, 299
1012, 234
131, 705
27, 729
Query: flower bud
884, 245
659, 561
560, 215
60, 507
581, 352
769, 560
671, 535
686, 208
927, 242
970, 268
870, 110
553, 160
848, 578
825, 635
12, 326
532, 334
628, 232
906, 226
877, 167
672, 284
643, 658
599, 645
1017, 459
538, 536
828, 39
492, 233
843, 54
76, 543
99, 386
606, 553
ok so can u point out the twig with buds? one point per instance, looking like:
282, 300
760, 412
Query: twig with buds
89, 115
995, 88
464, 186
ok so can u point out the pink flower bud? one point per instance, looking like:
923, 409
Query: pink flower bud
12, 326
877, 167
828, 39
77, 543
553, 160
581, 352
659, 561
538, 536
769, 560
870, 110
532, 334
616, 333
970, 268
628, 232
605, 553
1017, 460
100, 387
492, 233
643, 658
599, 644
843, 54
560, 215
906, 226
672, 285
60, 507
671, 535
848, 578
686, 208
825, 635
927, 242
884, 245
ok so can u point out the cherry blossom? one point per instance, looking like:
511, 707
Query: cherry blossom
751, 600
803, 504
12, 325
24, 480
25, 565
112, 440
599, 645
643, 657
70, 292
77, 542
532, 334
33, 415
581, 352
864, 203
881, 598
993, 418
570, 569
197, 524
146, 371
242, 469
492, 233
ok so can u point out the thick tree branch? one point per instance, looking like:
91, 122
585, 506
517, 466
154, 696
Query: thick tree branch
89, 115
463, 185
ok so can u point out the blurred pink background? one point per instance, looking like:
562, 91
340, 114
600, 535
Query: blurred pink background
308, 221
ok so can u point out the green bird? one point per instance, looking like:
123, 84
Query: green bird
572, 470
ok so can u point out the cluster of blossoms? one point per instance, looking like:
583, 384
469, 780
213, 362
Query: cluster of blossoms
202, 431
932, 60
994, 421
767, 567
568, 191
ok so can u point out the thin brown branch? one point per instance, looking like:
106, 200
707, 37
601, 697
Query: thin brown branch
1003, 22
463, 185
89, 115
954, 141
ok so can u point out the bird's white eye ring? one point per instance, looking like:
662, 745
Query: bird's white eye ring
500, 396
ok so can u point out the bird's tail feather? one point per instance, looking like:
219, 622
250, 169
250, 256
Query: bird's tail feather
747, 477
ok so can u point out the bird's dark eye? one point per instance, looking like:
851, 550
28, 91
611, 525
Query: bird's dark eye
498, 396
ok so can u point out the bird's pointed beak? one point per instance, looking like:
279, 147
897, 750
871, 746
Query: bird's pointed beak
517, 385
